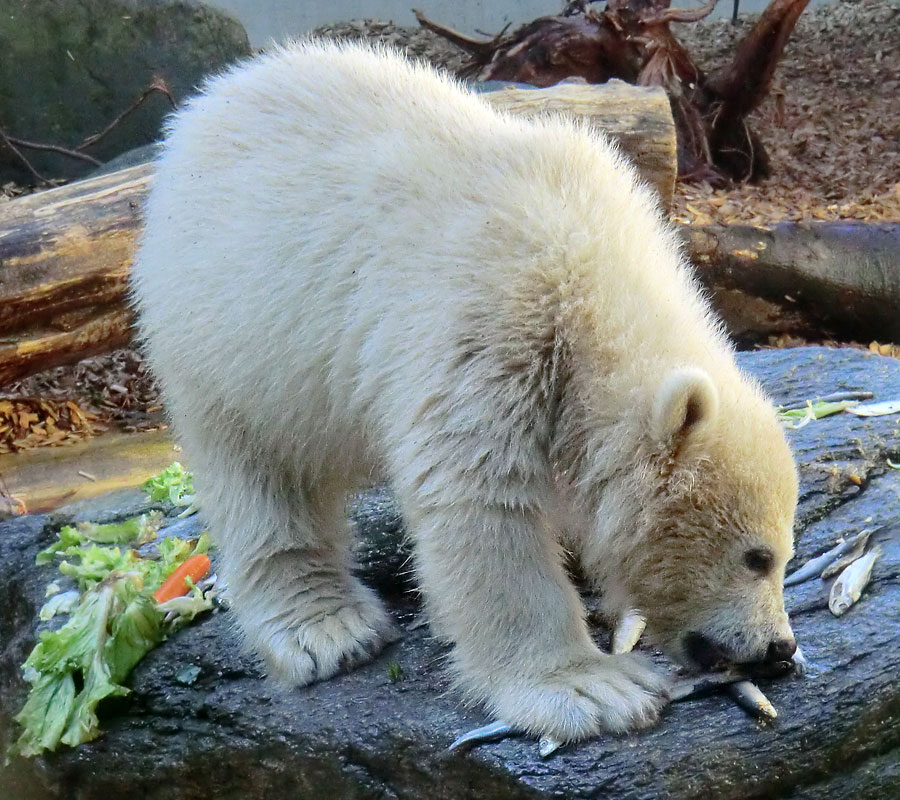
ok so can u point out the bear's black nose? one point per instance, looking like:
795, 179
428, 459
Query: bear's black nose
781, 650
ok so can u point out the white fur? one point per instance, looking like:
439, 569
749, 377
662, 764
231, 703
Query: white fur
353, 269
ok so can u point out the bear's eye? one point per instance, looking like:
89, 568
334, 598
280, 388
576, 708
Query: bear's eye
760, 560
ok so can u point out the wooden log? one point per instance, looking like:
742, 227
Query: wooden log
64, 259
102, 332
65, 256
638, 118
68, 248
839, 279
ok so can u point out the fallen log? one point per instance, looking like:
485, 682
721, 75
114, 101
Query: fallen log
65, 255
64, 259
103, 331
829, 279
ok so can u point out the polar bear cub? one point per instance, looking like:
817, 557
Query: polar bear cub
355, 270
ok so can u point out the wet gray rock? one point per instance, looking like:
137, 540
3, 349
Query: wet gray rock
231, 733
68, 69
383, 555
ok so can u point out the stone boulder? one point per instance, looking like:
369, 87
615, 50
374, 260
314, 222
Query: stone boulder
383, 730
68, 69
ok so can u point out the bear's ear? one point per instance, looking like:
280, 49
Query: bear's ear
686, 399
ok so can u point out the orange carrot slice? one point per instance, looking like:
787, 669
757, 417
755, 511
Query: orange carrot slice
176, 584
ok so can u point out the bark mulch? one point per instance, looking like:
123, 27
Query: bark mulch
64, 405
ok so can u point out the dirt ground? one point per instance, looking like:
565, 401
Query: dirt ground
832, 126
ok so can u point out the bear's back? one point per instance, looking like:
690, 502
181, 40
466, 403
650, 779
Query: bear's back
328, 212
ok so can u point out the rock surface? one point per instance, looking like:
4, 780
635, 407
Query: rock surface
231, 734
69, 68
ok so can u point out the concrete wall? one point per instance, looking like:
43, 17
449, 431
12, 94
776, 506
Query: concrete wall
276, 19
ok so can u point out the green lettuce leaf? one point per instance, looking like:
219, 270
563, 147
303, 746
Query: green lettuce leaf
45, 713
66, 538
800, 417
134, 632
136, 529
95, 563
114, 624
83, 724
56, 710
174, 484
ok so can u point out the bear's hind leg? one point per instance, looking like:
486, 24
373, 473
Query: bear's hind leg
286, 557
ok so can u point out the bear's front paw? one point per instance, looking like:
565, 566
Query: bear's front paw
300, 650
584, 698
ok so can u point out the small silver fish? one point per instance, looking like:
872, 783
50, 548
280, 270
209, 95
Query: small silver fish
497, 731
547, 746
813, 568
749, 697
627, 632
849, 585
801, 665
493, 732
207, 583
846, 560
876, 409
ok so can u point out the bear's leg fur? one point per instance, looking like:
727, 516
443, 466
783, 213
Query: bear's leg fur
284, 543
495, 586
